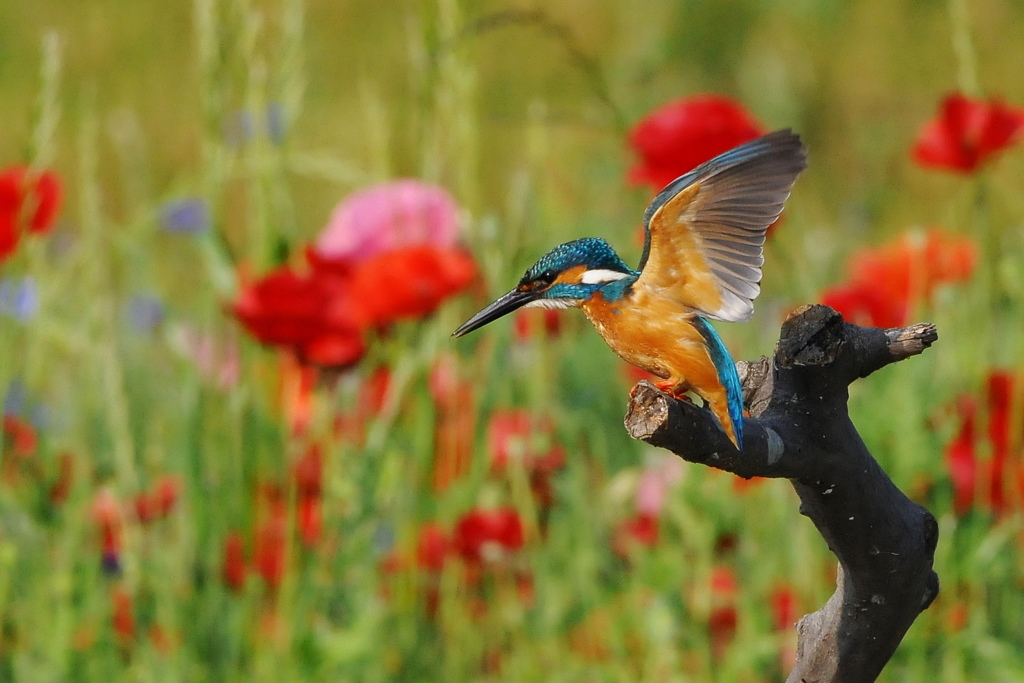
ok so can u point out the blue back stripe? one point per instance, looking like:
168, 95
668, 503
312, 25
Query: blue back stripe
726, 373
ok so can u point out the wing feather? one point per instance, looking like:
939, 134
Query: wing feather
705, 231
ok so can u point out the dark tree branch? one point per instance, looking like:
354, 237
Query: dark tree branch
800, 429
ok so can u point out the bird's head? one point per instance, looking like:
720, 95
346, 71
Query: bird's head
564, 277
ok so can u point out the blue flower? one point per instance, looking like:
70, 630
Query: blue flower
187, 216
14, 399
383, 538
276, 122
238, 128
19, 299
110, 563
144, 312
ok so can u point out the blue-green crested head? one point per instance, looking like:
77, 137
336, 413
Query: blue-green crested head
564, 277
570, 273
592, 253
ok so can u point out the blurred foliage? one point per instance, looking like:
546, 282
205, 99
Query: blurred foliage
273, 111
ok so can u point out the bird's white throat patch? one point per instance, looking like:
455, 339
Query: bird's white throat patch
552, 303
599, 276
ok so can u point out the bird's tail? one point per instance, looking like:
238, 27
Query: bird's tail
732, 417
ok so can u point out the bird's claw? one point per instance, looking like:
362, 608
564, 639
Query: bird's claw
676, 391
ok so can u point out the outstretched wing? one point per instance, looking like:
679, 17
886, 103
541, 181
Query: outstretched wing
705, 231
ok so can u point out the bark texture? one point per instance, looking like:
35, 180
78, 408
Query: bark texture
800, 429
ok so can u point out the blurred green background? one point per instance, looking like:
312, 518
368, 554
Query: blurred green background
522, 112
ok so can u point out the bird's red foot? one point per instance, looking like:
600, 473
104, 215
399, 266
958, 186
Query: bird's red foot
677, 391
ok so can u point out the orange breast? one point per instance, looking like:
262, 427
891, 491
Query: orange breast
655, 333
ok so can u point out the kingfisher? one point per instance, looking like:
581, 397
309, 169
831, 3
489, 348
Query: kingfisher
703, 251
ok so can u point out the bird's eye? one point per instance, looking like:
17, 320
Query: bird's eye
542, 281
546, 278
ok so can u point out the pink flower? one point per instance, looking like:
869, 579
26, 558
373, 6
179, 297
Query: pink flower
216, 359
655, 483
389, 215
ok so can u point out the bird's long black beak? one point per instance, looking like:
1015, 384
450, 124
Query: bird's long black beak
496, 309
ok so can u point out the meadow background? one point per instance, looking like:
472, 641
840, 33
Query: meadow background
180, 502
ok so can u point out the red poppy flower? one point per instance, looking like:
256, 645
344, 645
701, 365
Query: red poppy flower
785, 607
309, 473
61, 486
314, 314
741, 485
106, 512
640, 531
309, 519
454, 437
785, 604
723, 583
633, 375
151, 505
723, 618
165, 493
967, 133
486, 535
392, 563
958, 616
995, 483
535, 322
373, 392
296, 382
123, 619
685, 133
145, 510
163, 640
268, 555
443, 381
866, 303
886, 283
233, 570
28, 203
517, 435
409, 282
19, 435
432, 547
